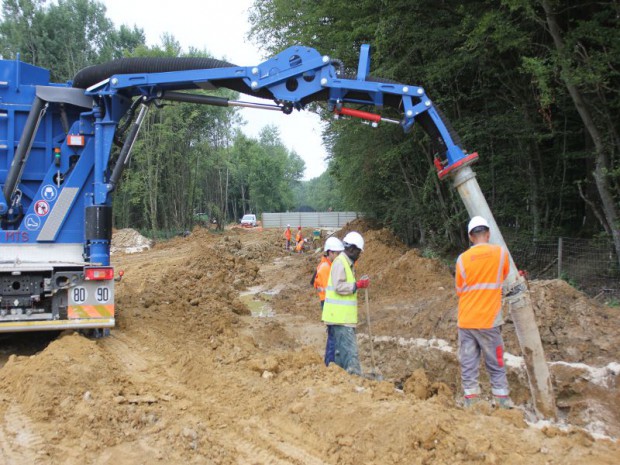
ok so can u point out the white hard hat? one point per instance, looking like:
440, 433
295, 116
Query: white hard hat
288, 225
333, 244
354, 238
475, 222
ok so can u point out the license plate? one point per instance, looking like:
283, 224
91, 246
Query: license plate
91, 299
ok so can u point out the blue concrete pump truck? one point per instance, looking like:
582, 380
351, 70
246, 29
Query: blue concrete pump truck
63, 148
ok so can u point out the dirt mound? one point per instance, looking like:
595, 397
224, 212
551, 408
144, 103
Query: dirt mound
33, 380
361, 225
413, 309
189, 377
129, 241
574, 327
201, 286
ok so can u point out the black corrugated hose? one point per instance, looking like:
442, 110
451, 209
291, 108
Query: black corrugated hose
97, 73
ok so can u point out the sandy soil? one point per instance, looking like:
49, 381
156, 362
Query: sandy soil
217, 360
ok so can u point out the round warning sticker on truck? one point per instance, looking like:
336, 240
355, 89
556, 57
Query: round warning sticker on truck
49, 192
32, 222
41, 207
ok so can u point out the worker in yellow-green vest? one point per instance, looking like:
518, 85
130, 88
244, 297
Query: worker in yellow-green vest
340, 308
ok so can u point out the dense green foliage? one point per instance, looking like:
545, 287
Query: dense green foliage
320, 194
63, 37
501, 78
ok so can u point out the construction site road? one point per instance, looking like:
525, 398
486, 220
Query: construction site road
217, 359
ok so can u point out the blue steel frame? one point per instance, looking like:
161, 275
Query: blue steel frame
293, 78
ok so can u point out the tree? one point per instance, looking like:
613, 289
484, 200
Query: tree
320, 193
22, 29
242, 152
333, 27
494, 69
181, 160
274, 173
589, 65
63, 37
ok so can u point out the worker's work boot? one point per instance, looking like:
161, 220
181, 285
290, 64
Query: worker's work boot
503, 402
471, 400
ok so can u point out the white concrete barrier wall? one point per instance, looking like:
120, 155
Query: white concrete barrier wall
308, 219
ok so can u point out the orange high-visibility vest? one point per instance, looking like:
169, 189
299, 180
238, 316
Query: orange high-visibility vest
298, 236
480, 272
288, 234
322, 276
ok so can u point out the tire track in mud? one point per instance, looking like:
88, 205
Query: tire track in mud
259, 444
144, 369
250, 441
118, 344
20, 443
285, 444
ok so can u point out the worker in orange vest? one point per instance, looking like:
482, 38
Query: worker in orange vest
480, 272
299, 240
333, 247
288, 234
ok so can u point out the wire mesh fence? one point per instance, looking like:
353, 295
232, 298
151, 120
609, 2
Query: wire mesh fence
589, 265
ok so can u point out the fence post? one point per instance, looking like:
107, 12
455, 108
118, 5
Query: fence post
559, 258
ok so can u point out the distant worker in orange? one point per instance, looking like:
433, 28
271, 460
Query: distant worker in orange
480, 272
333, 247
288, 234
299, 240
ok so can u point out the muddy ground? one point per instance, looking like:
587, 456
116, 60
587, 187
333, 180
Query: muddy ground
216, 359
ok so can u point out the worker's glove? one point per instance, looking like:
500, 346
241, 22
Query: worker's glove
362, 283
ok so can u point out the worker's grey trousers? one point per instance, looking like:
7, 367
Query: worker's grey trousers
489, 342
342, 348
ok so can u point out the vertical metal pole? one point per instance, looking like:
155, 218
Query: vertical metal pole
104, 132
372, 350
100, 191
517, 297
99, 248
18, 71
560, 258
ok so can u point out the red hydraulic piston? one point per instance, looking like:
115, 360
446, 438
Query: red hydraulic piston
358, 114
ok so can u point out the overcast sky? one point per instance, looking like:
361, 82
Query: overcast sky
220, 28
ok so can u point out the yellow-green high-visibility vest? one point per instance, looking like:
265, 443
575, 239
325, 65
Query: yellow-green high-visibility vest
340, 309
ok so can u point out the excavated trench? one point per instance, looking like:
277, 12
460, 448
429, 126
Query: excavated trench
217, 358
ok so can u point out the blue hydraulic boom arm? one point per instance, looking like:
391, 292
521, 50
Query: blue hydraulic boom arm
106, 104
292, 79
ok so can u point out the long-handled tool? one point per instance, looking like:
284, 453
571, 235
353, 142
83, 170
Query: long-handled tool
374, 373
